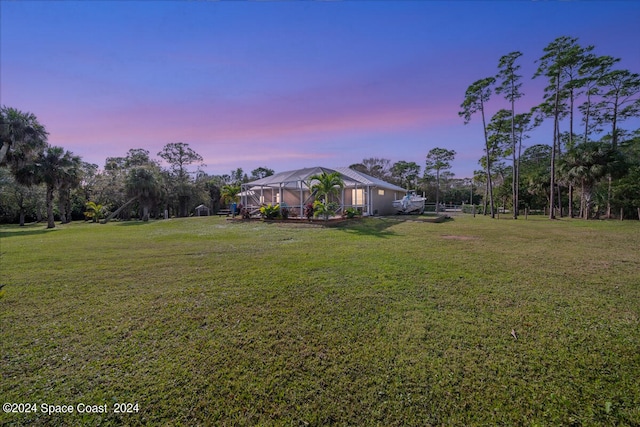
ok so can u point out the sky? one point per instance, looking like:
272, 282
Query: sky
285, 84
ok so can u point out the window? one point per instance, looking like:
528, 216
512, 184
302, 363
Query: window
357, 197
380, 192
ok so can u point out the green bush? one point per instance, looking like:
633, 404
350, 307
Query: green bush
270, 211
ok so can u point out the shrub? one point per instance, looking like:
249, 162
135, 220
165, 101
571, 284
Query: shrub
351, 212
270, 211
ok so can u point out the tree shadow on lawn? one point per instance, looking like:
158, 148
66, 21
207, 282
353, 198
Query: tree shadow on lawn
377, 227
25, 232
131, 222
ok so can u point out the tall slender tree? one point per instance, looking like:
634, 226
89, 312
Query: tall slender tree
620, 100
439, 159
592, 72
476, 96
559, 55
524, 124
510, 86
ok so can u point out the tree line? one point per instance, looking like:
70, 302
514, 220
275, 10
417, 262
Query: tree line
40, 182
591, 165
590, 168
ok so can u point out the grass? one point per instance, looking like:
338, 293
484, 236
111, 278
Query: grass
379, 321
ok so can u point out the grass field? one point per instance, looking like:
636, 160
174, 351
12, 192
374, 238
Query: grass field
380, 321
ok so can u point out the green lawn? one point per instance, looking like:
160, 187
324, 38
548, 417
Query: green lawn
377, 322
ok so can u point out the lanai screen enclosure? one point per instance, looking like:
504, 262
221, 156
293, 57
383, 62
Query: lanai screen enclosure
290, 189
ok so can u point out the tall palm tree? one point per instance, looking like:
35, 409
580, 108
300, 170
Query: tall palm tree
325, 185
21, 136
70, 176
143, 184
50, 169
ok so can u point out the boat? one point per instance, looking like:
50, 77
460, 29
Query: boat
410, 203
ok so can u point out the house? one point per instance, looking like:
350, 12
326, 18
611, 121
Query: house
290, 189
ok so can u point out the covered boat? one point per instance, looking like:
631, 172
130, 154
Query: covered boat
410, 203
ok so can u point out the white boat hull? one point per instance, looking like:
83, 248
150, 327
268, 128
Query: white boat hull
414, 204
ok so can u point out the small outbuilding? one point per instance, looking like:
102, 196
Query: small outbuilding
290, 189
202, 210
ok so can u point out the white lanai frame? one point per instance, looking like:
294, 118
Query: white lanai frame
275, 189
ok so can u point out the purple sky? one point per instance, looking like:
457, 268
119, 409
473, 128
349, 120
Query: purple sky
284, 84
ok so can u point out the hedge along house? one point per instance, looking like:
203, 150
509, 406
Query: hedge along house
290, 189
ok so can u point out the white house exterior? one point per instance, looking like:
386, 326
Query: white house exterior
290, 189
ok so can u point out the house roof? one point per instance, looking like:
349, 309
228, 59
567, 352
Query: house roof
363, 178
299, 178
294, 178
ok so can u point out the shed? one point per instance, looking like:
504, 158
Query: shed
202, 210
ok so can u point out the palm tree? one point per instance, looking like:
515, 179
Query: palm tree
50, 168
21, 136
324, 185
70, 177
230, 194
95, 211
142, 184
586, 164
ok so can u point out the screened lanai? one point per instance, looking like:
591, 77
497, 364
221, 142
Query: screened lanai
290, 189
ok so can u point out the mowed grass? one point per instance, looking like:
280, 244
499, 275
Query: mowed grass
381, 321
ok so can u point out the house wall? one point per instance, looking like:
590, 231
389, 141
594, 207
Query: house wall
383, 204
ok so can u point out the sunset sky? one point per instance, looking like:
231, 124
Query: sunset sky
284, 84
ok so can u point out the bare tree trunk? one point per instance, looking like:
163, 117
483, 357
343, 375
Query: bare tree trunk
609, 197
437, 190
117, 211
570, 200
3, 151
488, 152
553, 151
50, 220
484, 200
514, 172
69, 208
559, 201
587, 204
62, 207
582, 199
